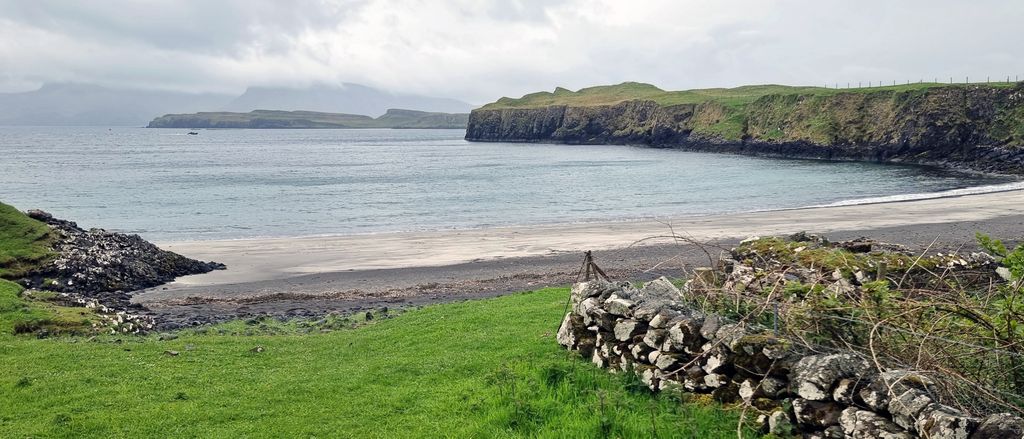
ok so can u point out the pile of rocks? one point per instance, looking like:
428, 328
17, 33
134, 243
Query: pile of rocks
104, 266
652, 332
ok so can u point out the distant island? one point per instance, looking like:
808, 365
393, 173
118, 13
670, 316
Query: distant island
393, 118
79, 104
964, 126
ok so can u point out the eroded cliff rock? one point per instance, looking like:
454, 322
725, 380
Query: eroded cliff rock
973, 127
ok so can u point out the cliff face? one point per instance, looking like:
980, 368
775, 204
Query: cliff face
975, 127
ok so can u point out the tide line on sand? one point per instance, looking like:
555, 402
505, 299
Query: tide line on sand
278, 258
959, 192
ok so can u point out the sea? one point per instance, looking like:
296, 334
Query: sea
168, 185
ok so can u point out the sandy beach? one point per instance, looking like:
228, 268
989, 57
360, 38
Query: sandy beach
265, 259
313, 274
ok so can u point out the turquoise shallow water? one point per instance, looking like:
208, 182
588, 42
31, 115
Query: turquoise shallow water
166, 185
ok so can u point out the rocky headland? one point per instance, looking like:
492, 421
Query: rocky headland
971, 127
100, 267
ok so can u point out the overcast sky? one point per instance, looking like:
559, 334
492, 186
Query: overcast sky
479, 50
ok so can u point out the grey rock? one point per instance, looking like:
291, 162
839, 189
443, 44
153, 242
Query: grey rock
749, 389
846, 389
640, 352
877, 393
655, 337
816, 414
772, 387
649, 377
585, 308
906, 407
685, 334
834, 432
779, 424
668, 362
714, 380
663, 317
711, 325
814, 375
619, 307
942, 422
717, 361
626, 329
1000, 426
863, 424
105, 267
571, 331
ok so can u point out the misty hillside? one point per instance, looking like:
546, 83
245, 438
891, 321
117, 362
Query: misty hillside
348, 98
82, 104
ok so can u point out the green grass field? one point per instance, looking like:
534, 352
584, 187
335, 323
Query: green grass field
730, 97
485, 368
24, 242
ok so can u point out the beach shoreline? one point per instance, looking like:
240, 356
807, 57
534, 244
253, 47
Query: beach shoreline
313, 275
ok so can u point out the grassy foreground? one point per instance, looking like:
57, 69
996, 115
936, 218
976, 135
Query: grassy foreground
486, 368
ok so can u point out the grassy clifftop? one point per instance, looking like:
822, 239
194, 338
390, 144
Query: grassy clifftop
731, 97
978, 126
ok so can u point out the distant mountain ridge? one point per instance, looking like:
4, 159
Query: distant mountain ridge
83, 104
348, 98
393, 118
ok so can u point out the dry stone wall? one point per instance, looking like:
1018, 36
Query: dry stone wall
652, 332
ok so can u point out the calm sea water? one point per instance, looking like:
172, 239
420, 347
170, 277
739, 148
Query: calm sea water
166, 185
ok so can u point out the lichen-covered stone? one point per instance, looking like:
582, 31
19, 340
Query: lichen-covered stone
906, 407
814, 375
663, 317
571, 331
668, 362
685, 334
779, 424
711, 325
1000, 426
618, 306
816, 414
882, 387
714, 380
863, 424
626, 329
846, 389
730, 334
941, 422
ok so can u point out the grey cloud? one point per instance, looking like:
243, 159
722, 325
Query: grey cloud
480, 50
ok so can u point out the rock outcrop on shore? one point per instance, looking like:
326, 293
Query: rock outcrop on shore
106, 266
974, 127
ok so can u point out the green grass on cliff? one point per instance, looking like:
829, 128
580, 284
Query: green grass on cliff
484, 368
24, 242
817, 115
613, 94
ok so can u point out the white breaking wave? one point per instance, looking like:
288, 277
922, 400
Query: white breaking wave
975, 190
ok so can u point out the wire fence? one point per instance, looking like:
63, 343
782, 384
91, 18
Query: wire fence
966, 80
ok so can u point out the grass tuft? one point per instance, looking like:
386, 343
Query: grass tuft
24, 242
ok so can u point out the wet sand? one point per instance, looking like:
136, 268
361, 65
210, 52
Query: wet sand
313, 275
